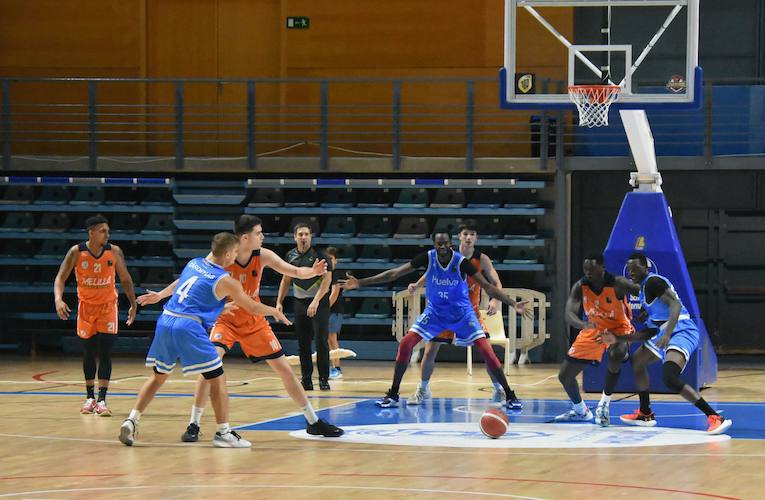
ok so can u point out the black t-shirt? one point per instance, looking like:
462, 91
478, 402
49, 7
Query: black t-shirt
420, 261
654, 287
308, 287
337, 307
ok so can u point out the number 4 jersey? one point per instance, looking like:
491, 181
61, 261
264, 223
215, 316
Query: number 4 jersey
195, 294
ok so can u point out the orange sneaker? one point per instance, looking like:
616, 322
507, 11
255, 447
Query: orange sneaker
718, 424
102, 410
639, 418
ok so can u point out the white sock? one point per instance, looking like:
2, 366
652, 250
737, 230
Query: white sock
135, 415
497, 386
424, 384
223, 428
309, 414
580, 408
605, 399
196, 414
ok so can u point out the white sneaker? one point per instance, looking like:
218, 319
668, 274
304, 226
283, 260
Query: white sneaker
603, 415
573, 416
230, 440
419, 396
127, 431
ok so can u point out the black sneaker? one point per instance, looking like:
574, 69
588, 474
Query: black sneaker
512, 402
324, 385
192, 434
324, 428
307, 384
390, 400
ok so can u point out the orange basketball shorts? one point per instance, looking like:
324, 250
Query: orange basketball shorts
255, 337
587, 347
96, 318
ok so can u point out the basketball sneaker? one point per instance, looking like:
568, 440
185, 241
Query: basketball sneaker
498, 396
419, 396
512, 402
573, 416
324, 385
718, 424
102, 410
230, 440
390, 400
127, 431
88, 406
639, 418
335, 373
324, 428
603, 415
192, 434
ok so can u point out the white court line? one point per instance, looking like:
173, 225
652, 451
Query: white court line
297, 414
389, 450
280, 486
137, 377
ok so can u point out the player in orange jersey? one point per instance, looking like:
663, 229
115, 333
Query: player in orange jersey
468, 235
95, 263
253, 332
604, 300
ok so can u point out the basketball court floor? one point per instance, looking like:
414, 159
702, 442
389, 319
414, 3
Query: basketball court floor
49, 450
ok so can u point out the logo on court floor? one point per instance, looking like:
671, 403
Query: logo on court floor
527, 435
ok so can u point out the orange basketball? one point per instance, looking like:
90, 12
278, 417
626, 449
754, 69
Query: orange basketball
494, 423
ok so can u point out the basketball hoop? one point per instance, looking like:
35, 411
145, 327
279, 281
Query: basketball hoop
593, 102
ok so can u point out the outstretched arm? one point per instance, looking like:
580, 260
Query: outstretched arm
413, 287
151, 297
631, 287
573, 303
270, 259
498, 294
64, 270
352, 282
230, 287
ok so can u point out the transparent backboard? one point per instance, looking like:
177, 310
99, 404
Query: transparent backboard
648, 47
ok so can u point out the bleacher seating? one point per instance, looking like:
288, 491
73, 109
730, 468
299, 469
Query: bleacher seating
53, 222
18, 222
339, 198
339, 227
158, 224
88, 195
375, 227
412, 198
18, 195
53, 195
267, 197
54, 249
375, 254
449, 198
412, 227
374, 308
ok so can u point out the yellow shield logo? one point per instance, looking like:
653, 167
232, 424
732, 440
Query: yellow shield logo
525, 83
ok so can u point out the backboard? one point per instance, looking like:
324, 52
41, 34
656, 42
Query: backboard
648, 47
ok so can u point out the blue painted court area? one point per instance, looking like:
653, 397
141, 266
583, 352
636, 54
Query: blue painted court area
748, 422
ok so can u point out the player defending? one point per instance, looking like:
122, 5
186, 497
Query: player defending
671, 337
253, 332
182, 333
468, 235
448, 309
95, 263
605, 304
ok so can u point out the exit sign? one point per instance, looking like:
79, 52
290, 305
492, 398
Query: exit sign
298, 23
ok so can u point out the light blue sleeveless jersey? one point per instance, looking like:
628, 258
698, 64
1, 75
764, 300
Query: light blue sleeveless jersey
445, 287
195, 294
658, 310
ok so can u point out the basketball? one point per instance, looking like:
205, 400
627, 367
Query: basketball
494, 423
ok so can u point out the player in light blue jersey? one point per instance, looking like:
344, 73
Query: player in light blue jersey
449, 310
198, 297
671, 337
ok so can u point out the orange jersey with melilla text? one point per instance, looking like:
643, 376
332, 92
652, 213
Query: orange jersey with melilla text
606, 310
95, 275
249, 275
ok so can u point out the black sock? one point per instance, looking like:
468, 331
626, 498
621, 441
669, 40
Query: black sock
704, 406
645, 402
610, 384
398, 374
102, 393
91, 391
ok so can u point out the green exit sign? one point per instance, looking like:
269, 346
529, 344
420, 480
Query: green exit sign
298, 23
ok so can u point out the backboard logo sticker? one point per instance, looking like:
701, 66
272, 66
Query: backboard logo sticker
525, 83
640, 243
468, 435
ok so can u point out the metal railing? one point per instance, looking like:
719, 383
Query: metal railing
243, 120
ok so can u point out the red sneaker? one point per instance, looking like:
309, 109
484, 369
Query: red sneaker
639, 418
88, 406
718, 424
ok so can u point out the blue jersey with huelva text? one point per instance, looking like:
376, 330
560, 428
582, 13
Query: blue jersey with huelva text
446, 288
195, 296
658, 310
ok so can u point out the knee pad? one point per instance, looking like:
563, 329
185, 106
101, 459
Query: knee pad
672, 380
213, 373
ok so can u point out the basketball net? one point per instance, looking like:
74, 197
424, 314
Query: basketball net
593, 102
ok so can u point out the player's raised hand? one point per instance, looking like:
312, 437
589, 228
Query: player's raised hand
150, 297
349, 283
523, 309
62, 309
131, 314
493, 307
319, 267
412, 288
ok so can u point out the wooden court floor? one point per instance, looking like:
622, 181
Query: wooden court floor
49, 450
